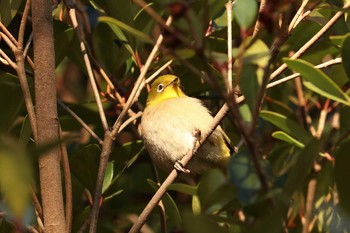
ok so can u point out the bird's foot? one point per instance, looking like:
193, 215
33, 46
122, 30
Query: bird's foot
180, 167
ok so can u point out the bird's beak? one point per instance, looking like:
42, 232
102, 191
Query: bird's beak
175, 81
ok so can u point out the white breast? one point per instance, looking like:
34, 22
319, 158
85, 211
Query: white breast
167, 128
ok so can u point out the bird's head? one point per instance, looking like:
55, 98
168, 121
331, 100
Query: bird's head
164, 87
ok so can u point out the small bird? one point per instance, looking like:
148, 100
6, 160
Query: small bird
169, 125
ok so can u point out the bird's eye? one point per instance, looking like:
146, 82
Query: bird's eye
160, 88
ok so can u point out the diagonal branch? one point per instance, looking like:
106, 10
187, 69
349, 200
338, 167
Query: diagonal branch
73, 17
313, 40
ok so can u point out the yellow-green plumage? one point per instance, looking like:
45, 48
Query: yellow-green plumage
168, 123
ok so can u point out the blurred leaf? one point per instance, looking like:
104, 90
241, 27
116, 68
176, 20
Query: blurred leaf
8, 10
345, 53
215, 7
287, 125
317, 81
258, 54
63, 38
201, 223
196, 205
342, 172
128, 149
302, 166
116, 23
183, 188
119, 33
225, 194
208, 184
245, 12
26, 132
243, 175
170, 207
11, 101
84, 165
249, 85
15, 177
245, 112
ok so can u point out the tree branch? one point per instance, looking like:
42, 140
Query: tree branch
73, 17
308, 44
46, 113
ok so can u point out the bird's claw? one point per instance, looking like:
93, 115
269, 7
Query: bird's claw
180, 167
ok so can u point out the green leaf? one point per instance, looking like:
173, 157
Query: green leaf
15, 177
287, 125
108, 176
11, 101
287, 138
8, 10
183, 188
169, 204
243, 175
84, 165
26, 132
201, 223
345, 53
208, 184
245, 12
302, 166
113, 23
317, 81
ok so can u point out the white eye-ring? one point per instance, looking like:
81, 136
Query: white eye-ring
160, 88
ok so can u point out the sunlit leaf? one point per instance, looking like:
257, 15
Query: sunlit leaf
317, 81
287, 138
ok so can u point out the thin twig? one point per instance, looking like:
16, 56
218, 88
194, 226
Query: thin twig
149, 10
129, 120
297, 17
81, 122
309, 204
155, 74
7, 59
308, 44
322, 119
258, 23
296, 75
228, 6
8, 34
306, 119
67, 182
163, 188
18, 51
73, 17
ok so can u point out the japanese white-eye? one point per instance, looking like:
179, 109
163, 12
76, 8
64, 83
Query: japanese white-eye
168, 127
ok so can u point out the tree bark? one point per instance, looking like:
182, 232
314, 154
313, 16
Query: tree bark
46, 112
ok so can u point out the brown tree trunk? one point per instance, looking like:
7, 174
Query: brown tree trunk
46, 112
